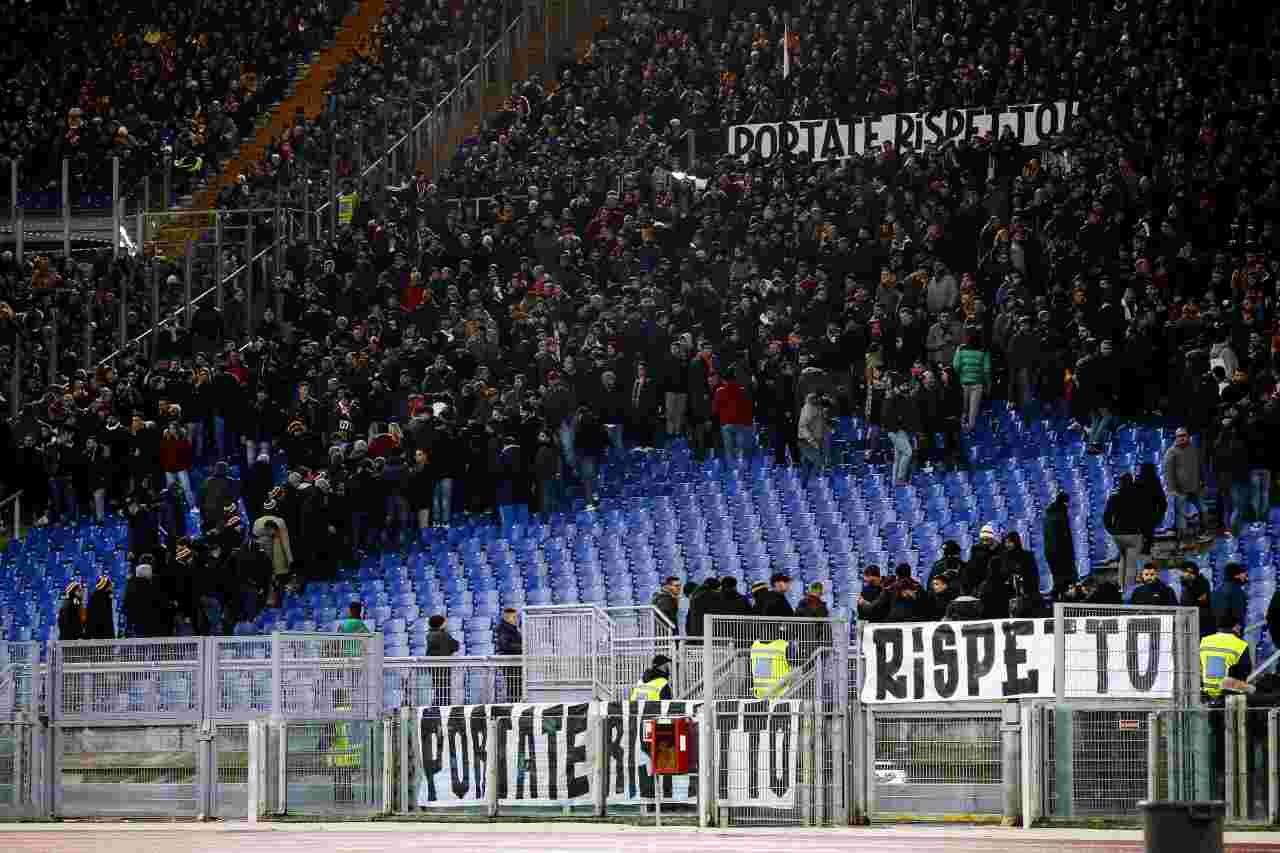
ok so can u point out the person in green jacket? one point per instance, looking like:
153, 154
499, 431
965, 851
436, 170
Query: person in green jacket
972, 365
354, 623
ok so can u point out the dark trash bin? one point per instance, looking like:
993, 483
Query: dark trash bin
1183, 827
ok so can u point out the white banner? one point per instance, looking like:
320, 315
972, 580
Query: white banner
839, 139
548, 756
1114, 657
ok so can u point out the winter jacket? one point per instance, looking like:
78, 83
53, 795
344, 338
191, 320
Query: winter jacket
69, 624
972, 366
175, 454
1124, 513
1157, 594
732, 406
1196, 593
1182, 470
900, 414
508, 640
908, 602
770, 603
814, 427
667, 605
1059, 550
1230, 598
441, 644
813, 607
100, 624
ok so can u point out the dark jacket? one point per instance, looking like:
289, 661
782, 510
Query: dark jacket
908, 602
874, 604
703, 602
668, 606
1153, 499
1230, 598
770, 603
100, 624
1157, 594
441, 644
1196, 593
979, 565
508, 640
144, 609
1124, 513
729, 602
69, 627
1059, 550
813, 607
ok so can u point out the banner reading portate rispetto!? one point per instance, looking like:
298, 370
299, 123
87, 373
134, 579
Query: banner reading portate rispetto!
839, 139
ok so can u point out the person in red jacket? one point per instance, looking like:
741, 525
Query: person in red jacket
175, 460
732, 406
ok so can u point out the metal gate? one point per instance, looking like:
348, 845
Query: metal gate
774, 749
152, 771
332, 769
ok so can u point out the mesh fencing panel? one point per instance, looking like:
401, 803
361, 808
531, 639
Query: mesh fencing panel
327, 676
751, 657
136, 772
1127, 652
240, 686
418, 682
937, 763
333, 768
129, 680
231, 771
19, 679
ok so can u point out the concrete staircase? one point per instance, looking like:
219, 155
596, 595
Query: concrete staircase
307, 95
526, 60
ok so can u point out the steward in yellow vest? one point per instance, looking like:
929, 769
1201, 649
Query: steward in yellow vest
655, 684
769, 668
1223, 656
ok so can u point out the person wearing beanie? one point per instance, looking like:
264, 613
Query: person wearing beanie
100, 623
71, 616
981, 554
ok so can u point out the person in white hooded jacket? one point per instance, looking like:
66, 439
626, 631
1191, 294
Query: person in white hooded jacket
814, 432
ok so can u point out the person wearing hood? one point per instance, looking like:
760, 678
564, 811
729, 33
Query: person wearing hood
1059, 549
257, 485
814, 432
100, 623
272, 535
655, 682
71, 616
949, 563
1020, 576
219, 490
510, 473
812, 606
1122, 519
1152, 498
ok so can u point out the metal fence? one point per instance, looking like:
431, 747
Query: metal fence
1113, 650
568, 652
422, 681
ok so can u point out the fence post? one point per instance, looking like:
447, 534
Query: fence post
141, 233
1273, 766
66, 207
388, 763
1229, 751
255, 769
493, 747
706, 770
1153, 756
115, 208
205, 770
406, 743
1010, 762
598, 729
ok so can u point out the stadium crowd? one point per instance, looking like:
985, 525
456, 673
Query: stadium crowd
617, 294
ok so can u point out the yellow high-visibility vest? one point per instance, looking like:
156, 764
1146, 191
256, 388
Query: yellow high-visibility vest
347, 207
345, 753
648, 691
1218, 653
769, 668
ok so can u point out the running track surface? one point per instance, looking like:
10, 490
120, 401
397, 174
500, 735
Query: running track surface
566, 838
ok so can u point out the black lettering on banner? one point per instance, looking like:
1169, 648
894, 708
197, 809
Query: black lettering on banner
1137, 628
979, 664
904, 128
1070, 111
459, 758
1021, 112
1101, 629
870, 133
479, 748
526, 755
740, 140
575, 726
919, 137
955, 124
917, 663
552, 722
498, 750
727, 722
780, 754
811, 144
933, 124
832, 148
1047, 120
614, 755
971, 124
1014, 657
888, 643
754, 720
769, 132
788, 137
995, 123
946, 661
432, 749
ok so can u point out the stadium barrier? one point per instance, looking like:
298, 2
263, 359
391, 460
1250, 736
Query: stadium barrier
1078, 716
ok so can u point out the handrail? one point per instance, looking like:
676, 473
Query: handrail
16, 500
194, 300
493, 49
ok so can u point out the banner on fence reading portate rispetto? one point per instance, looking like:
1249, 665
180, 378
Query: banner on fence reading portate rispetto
1114, 657
547, 760
840, 138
